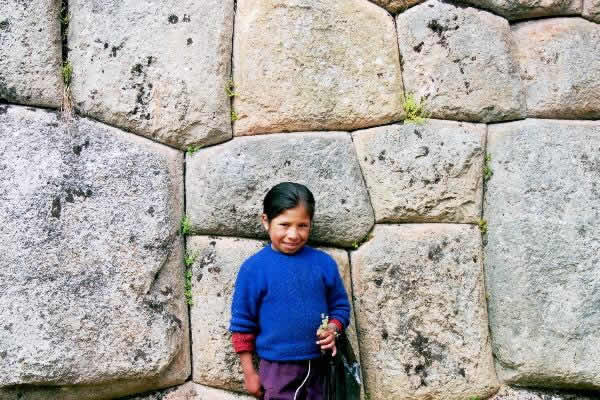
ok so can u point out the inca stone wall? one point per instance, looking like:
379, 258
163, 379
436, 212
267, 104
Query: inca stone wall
138, 139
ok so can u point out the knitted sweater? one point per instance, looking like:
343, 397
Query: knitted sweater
280, 298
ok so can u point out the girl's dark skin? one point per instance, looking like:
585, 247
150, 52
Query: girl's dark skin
288, 232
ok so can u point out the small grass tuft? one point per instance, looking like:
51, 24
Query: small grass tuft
67, 73
416, 112
483, 226
234, 116
191, 149
188, 260
229, 89
487, 170
186, 225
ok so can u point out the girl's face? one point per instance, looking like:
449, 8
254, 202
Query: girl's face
289, 230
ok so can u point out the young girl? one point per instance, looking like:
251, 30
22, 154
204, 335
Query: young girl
280, 294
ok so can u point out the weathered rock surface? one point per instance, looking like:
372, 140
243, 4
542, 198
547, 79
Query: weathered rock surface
158, 71
560, 65
430, 172
314, 65
542, 207
193, 391
217, 262
214, 272
591, 10
520, 9
461, 61
421, 313
30, 52
226, 184
395, 6
509, 393
91, 292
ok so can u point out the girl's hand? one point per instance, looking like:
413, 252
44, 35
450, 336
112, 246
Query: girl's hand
327, 340
253, 385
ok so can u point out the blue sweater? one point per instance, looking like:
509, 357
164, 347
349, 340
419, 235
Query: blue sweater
281, 297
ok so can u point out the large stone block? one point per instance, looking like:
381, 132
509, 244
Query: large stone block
217, 262
542, 206
192, 391
591, 10
30, 52
560, 65
226, 184
421, 313
91, 287
314, 65
461, 61
509, 393
519, 9
159, 71
429, 173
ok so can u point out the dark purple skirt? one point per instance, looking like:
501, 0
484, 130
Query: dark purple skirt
284, 380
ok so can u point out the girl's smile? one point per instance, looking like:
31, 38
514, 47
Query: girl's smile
289, 230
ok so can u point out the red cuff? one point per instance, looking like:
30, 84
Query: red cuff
337, 323
243, 341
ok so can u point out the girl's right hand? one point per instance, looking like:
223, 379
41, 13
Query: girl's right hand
253, 385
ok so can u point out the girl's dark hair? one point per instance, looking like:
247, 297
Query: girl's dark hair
286, 195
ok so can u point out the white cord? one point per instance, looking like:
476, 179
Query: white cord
303, 382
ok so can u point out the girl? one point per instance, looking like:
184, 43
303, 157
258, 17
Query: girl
280, 294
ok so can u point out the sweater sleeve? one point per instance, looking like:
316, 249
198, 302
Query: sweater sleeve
337, 299
246, 300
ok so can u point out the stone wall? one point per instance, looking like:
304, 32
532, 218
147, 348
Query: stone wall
138, 139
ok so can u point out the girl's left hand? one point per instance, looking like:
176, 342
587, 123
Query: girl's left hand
327, 340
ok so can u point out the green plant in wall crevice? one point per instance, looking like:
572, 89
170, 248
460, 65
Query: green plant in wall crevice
416, 112
186, 225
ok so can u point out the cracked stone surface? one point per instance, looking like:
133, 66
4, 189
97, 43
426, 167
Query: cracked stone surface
423, 173
158, 71
30, 52
226, 184
303, 65
91, 264
519, 9
421, 313
560, 65
542, 206
461, 61
217, 262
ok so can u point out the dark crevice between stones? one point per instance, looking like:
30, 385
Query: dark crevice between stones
185, 268
64, 29
356, 327
232, 110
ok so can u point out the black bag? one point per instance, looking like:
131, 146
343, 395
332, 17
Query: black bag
343, 380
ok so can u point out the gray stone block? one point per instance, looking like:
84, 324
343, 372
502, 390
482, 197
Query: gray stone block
421, 314
226, 184
519, 9
91, 288
560, 66
542, 207
423, 173
30, 52
303, 65
509, 393
461, 61
591, 10
159, 71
